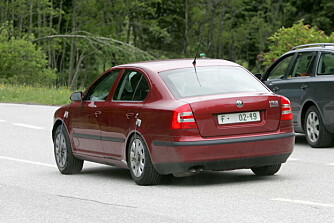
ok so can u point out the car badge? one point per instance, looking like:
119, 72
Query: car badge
273, 104
239, 103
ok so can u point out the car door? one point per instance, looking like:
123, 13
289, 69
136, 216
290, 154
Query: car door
320, 90
85, 115
121, 113
294, 84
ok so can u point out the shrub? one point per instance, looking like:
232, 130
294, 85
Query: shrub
22, 62
287, 38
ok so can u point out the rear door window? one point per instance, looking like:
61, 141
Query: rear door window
303, 65
133, 86
326, 64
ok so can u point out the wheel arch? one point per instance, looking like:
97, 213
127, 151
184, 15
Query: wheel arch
128, 143
55, 126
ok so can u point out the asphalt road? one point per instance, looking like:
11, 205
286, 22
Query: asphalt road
32, 189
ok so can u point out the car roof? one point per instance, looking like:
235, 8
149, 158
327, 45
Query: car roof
313, 47
164, 65
309, 49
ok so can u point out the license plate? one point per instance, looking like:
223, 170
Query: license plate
242, 117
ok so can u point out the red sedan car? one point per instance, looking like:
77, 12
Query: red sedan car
171, 117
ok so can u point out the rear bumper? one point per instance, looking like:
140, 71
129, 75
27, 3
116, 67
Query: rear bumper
242, 163
222, 154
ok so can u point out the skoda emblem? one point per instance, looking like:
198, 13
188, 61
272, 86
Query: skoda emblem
239, 103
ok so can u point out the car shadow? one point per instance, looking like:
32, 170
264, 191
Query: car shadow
301, 139
108, 172
218, 178
202, 179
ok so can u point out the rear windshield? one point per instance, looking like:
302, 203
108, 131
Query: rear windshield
210, 80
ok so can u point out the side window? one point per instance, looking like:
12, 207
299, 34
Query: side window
100, 90
133, 86
280, 69
303, 64
326, 64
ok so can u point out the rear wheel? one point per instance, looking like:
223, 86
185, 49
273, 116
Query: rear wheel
67, 163
316, 133
266, 170
140, 164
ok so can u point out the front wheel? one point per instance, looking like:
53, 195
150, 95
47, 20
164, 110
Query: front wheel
266, 170
316, 133
140, 164
67, 163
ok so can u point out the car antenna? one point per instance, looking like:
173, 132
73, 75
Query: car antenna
194, 62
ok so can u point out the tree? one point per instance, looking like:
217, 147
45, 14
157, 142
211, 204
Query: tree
121, 31
286, 38
22, 61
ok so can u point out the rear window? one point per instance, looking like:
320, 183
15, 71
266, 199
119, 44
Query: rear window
210, 80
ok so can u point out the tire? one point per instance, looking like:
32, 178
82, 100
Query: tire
316, 133
266, 170
140, 164
66, 162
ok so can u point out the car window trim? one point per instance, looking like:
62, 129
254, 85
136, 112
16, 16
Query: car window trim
316, 64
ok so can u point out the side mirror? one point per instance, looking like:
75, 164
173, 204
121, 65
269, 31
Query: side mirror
258, 76
76, 96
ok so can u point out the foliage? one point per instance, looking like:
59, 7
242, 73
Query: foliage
235, 30
286, 38
34, 95
21, 61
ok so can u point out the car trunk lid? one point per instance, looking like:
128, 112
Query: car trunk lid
235, 114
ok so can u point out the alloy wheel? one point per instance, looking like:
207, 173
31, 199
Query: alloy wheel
137, 157
61, 149
312, 126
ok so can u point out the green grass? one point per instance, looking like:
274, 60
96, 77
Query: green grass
34, 95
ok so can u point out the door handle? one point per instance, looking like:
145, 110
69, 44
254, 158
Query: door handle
304, 86
97, 113
275, 89
129, 114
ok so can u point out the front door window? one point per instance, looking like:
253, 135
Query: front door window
279, 71
100, 90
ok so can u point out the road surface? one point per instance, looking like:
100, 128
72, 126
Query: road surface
32, 189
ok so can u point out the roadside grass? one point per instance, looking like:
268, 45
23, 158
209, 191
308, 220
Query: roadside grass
34, 95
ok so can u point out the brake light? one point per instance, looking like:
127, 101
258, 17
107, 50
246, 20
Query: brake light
286, 113
183, 118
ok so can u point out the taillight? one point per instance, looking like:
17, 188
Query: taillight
183, 118
286, 113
